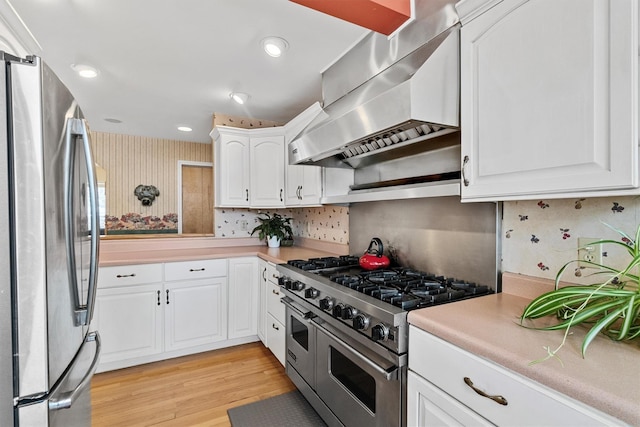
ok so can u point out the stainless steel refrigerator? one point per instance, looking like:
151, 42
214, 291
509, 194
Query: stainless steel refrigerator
49, 231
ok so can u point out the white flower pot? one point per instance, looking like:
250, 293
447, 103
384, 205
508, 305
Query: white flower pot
273, 242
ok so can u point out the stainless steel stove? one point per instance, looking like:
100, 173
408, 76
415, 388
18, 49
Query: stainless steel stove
347, 334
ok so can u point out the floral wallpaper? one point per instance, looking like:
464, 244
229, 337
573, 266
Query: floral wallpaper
327, 223
540, 236
132, 223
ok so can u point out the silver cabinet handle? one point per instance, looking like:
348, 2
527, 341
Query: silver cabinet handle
275, 292
465, 181
496, 398
83, 313
67, 399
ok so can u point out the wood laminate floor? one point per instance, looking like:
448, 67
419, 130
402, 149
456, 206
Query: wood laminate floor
193, 390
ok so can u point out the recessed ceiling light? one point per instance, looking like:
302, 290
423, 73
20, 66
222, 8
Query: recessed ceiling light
274, 46
86, 71
112, 120
184, 128
239, 97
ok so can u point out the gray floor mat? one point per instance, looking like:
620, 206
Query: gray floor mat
287, 410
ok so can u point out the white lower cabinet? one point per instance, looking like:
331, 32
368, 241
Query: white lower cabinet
150, 312
195, 313
276, 336
441, 383
430, 406
243, 297
262, 298
129, 320
275, 319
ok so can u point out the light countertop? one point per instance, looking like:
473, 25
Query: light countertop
608, 378
118, 252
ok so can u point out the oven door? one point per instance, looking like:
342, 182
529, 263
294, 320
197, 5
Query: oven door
359, 390
300, 341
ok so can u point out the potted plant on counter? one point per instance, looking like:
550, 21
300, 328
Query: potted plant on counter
610, 306
273, 229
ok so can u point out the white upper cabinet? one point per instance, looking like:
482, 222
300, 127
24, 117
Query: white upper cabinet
252, 171
232, 169
249, 167
304, 185
267, 169
549, 97
303, 182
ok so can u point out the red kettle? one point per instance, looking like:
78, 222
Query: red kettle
373, 257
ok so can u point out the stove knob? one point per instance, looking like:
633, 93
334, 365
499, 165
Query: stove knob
326, 303
360, 322
311, 293
297, 285
379, 332
285, 282
337, 310
348, 313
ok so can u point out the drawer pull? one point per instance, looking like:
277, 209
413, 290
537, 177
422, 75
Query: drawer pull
122, 276
273, 325
158, 297
196, 269
275, 292
497, 398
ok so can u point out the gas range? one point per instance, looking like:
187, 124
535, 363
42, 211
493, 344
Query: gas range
373, 304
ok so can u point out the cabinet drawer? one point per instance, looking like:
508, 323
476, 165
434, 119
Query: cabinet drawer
274, 306
276, 338
201, 269
528, 402
272, 274
109, 277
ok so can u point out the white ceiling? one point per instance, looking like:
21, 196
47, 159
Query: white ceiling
169, 63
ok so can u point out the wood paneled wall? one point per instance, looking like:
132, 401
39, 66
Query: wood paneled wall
133, 160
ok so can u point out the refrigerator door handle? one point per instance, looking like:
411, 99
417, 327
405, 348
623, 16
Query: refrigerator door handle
83, 312
65, 400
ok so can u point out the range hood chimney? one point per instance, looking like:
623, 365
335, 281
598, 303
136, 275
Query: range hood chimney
387, 93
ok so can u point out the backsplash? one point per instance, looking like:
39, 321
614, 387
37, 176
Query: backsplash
540, 236
327, 223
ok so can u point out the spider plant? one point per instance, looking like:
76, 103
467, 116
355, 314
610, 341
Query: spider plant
611, 306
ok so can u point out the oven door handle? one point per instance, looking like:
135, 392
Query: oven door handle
290, 304
390, 374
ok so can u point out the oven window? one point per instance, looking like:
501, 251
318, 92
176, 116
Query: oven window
300, 333
357, 381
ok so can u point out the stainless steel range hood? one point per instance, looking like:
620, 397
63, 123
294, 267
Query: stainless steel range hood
387, 93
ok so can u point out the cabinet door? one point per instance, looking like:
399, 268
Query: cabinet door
427, 405
243, 297
276, 337
267, 171
550, 99
195, 312
232, 169
311, 190
130, 321
294, 184
262, 300
304, 185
